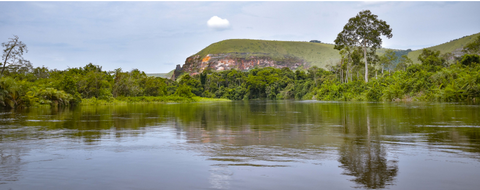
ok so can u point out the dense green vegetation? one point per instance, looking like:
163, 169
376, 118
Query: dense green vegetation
392, 78
433, 80
89, 85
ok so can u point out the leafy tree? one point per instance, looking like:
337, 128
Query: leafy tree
404, 63
154, 86
193, 83
41, 72
184, 91
386, 60
363, 31
431, 58
13, 54
94, 82
203, 78
10, 92
235, 77
469, 59
69, 85
316, 74
128, 83
300, 75
256, 87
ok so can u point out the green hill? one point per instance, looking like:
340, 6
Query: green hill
452, 46
316, 54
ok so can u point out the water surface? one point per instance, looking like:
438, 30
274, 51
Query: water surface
242, 145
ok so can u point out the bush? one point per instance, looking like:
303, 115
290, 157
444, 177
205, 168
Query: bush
470, 59
184, 91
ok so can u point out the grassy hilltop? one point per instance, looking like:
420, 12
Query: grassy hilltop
316, 54
451, 46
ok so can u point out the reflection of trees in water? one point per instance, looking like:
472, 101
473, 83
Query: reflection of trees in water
257, 133
88, 124
291, 125
362, 158
368, 164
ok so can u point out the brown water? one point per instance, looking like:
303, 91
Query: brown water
242, 145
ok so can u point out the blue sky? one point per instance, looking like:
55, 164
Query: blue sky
155, 36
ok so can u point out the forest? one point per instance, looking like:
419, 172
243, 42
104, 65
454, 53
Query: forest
392, 78
435, 79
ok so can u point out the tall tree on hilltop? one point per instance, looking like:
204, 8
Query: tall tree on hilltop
363, 31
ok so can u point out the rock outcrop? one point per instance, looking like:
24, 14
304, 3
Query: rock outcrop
177, 72
219, 62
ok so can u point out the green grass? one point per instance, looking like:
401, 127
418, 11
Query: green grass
445, 47
316, 54
147, 99
202, 99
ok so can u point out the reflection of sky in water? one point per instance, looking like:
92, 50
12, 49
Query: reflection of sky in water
289, 145
220, 177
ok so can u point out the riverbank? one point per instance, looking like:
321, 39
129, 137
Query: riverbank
147, 99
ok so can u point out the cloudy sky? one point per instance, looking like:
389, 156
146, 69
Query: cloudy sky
155, 36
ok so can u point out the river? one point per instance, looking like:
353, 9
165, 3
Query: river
242, 145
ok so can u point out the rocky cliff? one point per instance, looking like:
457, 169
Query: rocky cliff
219, 62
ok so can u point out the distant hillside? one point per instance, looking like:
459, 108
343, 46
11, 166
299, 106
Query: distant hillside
245, 54
163, 75
454, 46
314, 54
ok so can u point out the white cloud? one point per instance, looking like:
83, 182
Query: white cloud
218, 23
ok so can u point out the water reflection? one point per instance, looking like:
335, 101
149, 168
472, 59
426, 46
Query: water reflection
10, 163
256, 134
367, 162
220, 177
362, 155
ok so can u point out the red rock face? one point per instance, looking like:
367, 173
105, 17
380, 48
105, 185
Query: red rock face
220, 62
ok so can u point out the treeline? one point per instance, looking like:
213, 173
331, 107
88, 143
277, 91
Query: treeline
23, 87
433, 80
439, 77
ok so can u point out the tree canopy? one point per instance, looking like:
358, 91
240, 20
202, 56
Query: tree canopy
365, 31
386, 60
431, 57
